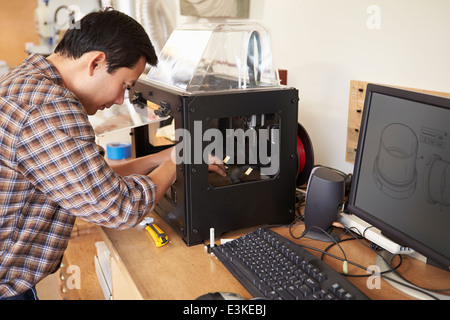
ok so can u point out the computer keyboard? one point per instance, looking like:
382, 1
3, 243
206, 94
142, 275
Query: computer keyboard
270, 266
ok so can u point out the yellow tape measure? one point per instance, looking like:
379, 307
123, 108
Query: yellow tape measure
157, 234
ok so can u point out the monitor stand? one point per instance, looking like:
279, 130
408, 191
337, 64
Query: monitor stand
383, 261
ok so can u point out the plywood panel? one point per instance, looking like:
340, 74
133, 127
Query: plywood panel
355, 108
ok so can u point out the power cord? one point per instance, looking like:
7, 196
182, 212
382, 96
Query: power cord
384, 273
335, 242
358, 237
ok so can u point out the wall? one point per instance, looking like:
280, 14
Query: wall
326, 43
16, 28
17, 25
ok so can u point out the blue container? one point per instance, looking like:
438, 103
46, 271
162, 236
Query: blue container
118, 151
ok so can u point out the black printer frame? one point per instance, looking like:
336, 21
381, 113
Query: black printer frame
192, 205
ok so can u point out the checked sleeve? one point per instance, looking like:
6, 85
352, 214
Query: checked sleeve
57, 154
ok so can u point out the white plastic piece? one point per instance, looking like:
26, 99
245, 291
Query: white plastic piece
372, 234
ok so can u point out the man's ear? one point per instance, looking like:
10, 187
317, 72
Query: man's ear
96, 61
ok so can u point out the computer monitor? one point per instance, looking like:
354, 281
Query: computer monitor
401, 179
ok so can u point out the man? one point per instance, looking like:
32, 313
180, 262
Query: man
51, 170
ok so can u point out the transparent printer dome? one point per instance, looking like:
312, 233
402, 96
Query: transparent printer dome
217, 57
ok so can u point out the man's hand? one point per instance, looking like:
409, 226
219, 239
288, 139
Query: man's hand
216, 165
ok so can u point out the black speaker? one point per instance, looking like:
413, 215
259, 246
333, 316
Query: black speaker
324, 199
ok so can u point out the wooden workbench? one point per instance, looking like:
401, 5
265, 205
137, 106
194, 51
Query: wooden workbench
175, 271
140, 270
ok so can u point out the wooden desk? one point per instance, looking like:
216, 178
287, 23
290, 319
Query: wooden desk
177, 272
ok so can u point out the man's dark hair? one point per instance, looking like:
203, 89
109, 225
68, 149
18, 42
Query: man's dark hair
119, 36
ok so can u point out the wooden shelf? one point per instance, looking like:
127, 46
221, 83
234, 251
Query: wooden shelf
355, 109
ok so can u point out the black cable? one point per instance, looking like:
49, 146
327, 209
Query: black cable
412, 285
326, 233
325, 251
381, 274
358, 237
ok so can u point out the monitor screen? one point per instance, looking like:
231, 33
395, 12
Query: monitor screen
401, 179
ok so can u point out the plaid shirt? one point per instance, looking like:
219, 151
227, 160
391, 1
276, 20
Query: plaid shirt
52, 171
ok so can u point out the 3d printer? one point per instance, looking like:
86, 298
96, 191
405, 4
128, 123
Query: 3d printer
218, 83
